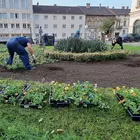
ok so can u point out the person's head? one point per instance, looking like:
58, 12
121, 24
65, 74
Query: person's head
114, 41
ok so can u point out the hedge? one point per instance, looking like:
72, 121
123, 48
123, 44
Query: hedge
87, 57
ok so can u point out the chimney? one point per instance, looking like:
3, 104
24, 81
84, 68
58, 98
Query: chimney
100, 5
37, 3
123, 7
55, 4
127, 7
88, 5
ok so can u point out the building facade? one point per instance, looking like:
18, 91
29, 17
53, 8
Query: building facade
16, 18
61, 21
122, 18
135, 17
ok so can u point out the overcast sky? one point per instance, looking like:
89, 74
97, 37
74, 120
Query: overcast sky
110, 3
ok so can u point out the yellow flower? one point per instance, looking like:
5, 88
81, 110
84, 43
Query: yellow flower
131, 91
52, 82
25, 92
68, 85
95, 89
122, 101
124, 87
63, 93
66, 88
118, 88
126, 91
133, 94
114, 91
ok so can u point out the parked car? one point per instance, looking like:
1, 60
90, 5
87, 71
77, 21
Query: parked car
136, 37
128, 38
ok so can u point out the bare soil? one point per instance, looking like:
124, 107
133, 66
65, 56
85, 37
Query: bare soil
105, 73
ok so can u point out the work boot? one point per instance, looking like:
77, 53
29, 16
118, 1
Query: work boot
32, 68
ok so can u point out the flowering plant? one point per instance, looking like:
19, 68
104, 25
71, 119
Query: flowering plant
86, 94
60, 92
130, 97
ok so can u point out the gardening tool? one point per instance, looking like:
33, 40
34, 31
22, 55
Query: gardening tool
34, 60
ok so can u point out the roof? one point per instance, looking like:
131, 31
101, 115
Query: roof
121, 11
97, 11
42, 9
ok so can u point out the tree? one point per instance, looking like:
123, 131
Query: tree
107, 27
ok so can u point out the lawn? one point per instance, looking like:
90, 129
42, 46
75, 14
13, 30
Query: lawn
77, 123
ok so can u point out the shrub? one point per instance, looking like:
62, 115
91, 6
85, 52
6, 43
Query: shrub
80, 45
87, 57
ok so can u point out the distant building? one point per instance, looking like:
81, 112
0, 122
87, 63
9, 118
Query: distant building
62, 21
122, 21
95, 16
16, 18
135, 17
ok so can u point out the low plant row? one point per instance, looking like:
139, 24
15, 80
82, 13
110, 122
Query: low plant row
87, 57
85, 94
17, 63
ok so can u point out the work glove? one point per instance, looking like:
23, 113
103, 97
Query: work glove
33, 57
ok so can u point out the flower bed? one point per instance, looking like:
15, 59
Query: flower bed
130, 98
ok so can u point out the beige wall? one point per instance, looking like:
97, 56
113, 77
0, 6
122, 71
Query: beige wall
134, 15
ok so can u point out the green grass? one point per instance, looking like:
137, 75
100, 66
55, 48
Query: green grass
78, 124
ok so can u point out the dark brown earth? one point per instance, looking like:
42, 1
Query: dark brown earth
105, 74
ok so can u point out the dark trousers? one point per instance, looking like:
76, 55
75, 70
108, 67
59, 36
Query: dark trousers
13, 46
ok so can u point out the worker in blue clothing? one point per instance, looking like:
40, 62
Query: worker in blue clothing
77, 34
18, 44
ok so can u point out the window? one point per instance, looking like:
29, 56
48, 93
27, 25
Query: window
55, 35
64, 26
46, 26
36, 17
45, 17
11, 3
16, 16
23, 5
3, 3
12, 25
80, 26
28, 16
17, 26
72, 26
0, 15
63, 34
55, 26
72, 17
28, 25
138, 3
24, 25
23, 16
123, 32
16, 4
54, 17
5, 15
37, 35
37, 26
80, 17
5, 25
124, 23
1, 25
12, 15
64, 17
